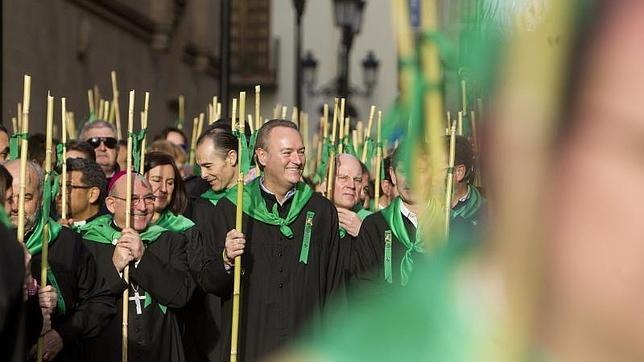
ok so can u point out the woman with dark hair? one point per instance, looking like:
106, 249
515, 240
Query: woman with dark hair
169, 192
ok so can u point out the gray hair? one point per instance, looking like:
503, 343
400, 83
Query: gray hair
33, 170
99, 123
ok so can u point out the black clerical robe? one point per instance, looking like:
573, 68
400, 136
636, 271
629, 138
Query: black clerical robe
89, 306
201, 318
160, 284
279, 293
367, 264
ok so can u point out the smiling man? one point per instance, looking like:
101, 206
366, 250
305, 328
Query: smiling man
160, 281
290, 247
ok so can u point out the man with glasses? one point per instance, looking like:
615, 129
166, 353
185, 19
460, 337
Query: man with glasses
83, 304
102, 136
85, 192
160, 282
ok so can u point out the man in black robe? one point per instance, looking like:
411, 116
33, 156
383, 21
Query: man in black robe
160, 282
84, 305
85, 192
290, 245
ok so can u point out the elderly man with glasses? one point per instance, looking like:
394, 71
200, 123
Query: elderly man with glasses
159, 280
102, 136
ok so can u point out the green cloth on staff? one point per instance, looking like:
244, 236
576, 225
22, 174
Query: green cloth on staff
254, 205
172, 222
101, 231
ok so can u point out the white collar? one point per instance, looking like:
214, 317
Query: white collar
80, 223
467, 195
288, 195
408, 214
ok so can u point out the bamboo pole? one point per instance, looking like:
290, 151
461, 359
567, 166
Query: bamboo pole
238, 227
97, 96
115, 102
276, 111
110, 115
63, 121
71, 125
45, 235
193, 140
182, 112
258, 121
90, 101
463, 96
19, 117
251, 123
295, 116
450, 179
128, 212
23, 158
218, 112
144, 126
475, 146
101, 107
459, 129
331, 171
341, 135
14, 124
284, 112
376, 201
202, 116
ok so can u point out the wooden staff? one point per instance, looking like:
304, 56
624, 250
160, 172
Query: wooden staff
115, 102
284, 112
475, 146
450, 178
23, 159
101, 105
354, 138
144, 126
193, 140
90, 101
341, 135
276, 111
376, 201
258, 120
331, 172
218, 112
19, 117
238, 227
324, 121
14, 124
110, 115
202, 116
63, 121
108, 107
347, 127
45, 233
294, 116
71, 125
360, 133
251, 124
459, 128
463, 96
97, 96
128, 211
182, 112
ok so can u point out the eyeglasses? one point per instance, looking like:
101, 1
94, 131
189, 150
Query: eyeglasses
149, 199
109, 142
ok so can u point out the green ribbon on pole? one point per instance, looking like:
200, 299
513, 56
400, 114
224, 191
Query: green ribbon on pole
327, 149
137, 142
244, 162
14, 144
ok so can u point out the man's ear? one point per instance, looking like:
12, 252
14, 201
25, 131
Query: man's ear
93, 195
262, 156
232, 157
459, 172
109, 203
392, 175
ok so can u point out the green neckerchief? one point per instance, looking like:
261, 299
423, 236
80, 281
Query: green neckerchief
471, 206
14, 144
254, 205
137, 143
34, 245
100, 230
172, 222
394, 218
4, 218
213, 196
362, 214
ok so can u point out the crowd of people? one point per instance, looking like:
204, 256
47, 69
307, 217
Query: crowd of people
302, 251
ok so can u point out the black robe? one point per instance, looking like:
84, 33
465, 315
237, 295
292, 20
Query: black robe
162, 272
201, 318
89, 304
279, 293
368, 256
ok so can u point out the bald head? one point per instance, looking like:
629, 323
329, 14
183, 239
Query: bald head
142, 208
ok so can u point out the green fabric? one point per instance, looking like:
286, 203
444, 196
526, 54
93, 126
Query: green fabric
175, 223
137, 144
387, 259
4, 218
394, 219
327, 149
100, 230
34, 246
369, 144
14, 144
244, 162
148, 301
213, 196
347, 147
471, 206
91, 117
59, 155
306, 239
254, 205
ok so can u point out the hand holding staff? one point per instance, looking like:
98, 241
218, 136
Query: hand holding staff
128, 211
238, 226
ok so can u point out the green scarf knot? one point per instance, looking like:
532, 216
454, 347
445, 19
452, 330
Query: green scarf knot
213, 196
100, 230
394, 219
254, 205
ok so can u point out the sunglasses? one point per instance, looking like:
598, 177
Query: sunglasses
109, 142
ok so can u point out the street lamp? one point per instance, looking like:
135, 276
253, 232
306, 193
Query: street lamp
348, 17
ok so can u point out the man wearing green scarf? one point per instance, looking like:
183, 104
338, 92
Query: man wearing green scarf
160, 282
84, 305
86, 186
387, 247
290, 246
469, 207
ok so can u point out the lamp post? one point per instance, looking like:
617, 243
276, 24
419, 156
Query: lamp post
348, 17
299, 10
